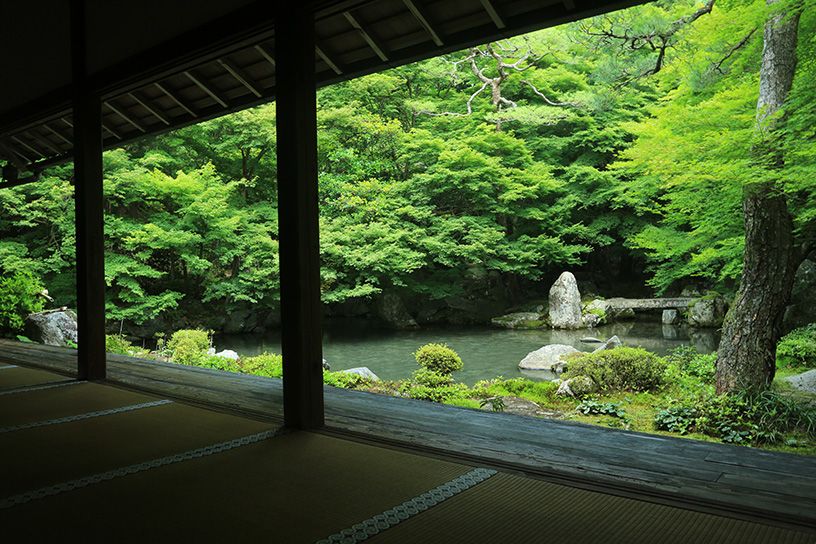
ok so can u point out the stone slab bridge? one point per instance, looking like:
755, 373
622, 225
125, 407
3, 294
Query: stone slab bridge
648, 303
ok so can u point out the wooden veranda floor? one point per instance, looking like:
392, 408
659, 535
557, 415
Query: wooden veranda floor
718, 478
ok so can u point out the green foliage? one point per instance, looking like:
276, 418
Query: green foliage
742, 417
798, 348
431, 378
266, 364
344, 380
438, 358
678, 419
595, 407
115, 343
438, 393
620, 369
496, 403
692, 363
189, 347
19, 296
537, 391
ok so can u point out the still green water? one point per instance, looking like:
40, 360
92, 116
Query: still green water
486, 352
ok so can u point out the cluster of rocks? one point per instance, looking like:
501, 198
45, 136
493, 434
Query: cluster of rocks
555, 358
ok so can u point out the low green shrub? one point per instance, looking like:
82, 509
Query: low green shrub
116, 343
595, 407
423, 376
19, 296
797, 348
678, 419
265, 364
693, 363
741, 418
189, 347
537, 391
443, 393
344, 380
620, 369
438, 358
217, 363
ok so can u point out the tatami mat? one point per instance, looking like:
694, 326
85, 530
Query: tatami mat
293, 488
49, 455
44, 404
508, 508
12, 378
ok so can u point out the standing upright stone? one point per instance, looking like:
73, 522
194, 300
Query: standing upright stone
565, 303
671, 317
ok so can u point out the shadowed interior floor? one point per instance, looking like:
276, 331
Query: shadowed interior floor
153, 474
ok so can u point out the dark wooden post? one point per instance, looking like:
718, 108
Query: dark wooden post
296, 103
90, 243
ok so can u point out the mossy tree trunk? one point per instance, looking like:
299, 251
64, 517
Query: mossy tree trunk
747, 353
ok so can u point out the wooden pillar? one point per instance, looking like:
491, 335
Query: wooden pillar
90, 243
296, 103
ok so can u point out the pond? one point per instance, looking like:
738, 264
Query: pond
486, 352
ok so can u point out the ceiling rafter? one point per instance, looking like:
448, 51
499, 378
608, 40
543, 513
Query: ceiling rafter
175, 99
150, 107
198, 80
43, 142
420, 16
494, 15
30, 148
124, 116
240, 76
325, 58
369, 39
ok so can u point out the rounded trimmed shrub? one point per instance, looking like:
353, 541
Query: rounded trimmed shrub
438, 358
189, 347
798, 348
620, 369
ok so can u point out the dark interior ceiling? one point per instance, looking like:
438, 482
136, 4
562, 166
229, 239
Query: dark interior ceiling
162, 64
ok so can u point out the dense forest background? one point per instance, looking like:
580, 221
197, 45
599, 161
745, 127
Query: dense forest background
457, 187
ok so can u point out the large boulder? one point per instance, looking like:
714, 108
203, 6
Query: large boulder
547, 357
391, 310
362, 371
707, 312
803, 382
53, 328
520, 320
565, 303
802, 309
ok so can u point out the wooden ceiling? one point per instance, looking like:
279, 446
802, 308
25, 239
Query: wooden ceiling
170, 85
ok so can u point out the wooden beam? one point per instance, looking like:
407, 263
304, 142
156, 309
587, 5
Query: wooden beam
43, 142
90, 240
322, 54
494, 15
149, 106
175, 99
569, 4
298, 218
14, 156
108, 129
419, 15
198, 81
58, 134
266, 53
372, 43
240, 76
25, 145
127, 118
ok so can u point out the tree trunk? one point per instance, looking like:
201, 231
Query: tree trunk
747, 353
